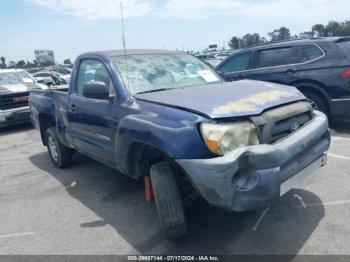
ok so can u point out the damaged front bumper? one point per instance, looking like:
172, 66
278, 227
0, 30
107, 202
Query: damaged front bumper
256, 176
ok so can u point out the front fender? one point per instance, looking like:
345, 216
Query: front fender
172, 131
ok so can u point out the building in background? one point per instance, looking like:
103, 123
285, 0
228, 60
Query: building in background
44, 57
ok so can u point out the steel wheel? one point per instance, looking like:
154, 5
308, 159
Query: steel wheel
52, 148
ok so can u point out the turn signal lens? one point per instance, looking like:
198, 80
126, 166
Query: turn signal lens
212, 145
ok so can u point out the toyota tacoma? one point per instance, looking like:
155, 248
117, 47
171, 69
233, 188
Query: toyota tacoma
168, 118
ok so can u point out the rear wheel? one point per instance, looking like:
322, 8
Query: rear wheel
60, 155
168, 200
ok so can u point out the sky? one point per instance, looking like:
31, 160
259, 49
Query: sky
70, 27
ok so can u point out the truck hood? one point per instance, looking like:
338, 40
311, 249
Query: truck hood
231, 99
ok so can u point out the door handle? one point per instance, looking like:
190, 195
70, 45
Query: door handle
290, 70
72, 108
240, 77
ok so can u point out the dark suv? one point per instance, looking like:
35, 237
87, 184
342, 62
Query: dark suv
318, 67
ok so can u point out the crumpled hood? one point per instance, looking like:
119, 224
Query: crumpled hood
231, 99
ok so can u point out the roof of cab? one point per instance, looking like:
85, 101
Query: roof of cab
120, 52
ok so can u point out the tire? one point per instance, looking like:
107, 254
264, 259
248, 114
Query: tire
317, 102
168, 200
60, 155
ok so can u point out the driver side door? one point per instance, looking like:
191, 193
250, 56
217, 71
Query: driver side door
93, 121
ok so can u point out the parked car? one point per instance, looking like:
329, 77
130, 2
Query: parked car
15, 85
168, 118
213, 62
318, 67
50, 78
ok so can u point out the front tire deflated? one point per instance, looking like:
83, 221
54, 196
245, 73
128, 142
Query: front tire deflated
168, 200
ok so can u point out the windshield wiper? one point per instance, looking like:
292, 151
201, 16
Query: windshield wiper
154, 90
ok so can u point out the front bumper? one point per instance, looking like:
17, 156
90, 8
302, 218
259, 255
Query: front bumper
14, 116
256, 176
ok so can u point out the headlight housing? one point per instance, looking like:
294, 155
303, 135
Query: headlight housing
223, 138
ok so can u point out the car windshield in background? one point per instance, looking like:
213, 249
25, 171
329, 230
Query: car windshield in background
152, 72
13, 78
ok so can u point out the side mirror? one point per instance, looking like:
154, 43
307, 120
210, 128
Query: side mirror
96, 90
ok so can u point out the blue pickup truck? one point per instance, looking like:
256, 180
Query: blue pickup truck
168, 118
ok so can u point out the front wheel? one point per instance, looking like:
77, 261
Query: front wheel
168, 200
60, 155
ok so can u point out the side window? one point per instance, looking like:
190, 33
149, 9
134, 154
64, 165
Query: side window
276, 57
236, 63
310, 52
93, 70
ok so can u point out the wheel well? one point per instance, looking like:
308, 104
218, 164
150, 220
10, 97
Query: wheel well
142, 156
310, 89
45, 121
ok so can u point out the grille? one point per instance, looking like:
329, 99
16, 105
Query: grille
278, 123
15, 100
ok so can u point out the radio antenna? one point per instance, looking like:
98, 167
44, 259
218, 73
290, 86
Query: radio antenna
124, 44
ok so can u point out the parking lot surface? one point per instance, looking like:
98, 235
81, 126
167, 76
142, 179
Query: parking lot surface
91, 209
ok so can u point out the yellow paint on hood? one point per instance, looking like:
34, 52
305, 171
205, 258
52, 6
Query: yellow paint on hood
251, 103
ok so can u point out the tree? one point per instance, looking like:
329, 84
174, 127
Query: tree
20, 64
67, 62
319, 30
252, 39
282, 33
3, 62
234, 43
307, 34
343, 29
332, 28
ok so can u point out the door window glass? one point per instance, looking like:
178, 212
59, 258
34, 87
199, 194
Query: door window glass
310, 52
236, 63
275, 57
93, 70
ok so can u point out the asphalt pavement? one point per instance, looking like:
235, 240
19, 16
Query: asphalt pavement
89, 208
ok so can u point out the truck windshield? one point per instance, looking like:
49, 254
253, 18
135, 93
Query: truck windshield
155, 72
13, 78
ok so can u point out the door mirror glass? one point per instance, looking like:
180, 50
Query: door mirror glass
96, 90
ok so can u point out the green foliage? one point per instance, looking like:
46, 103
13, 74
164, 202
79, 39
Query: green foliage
282, 33
319, 30
20, 64
252, 39
234, 43
3, 62
246, 41
67, 62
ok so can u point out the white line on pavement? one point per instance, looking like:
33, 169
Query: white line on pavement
255, 227
339, 138
338, 156
17, 235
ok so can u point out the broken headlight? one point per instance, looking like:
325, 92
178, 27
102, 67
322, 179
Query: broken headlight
223, 138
